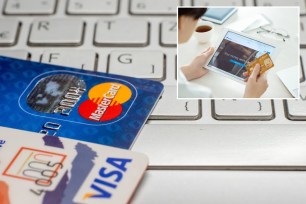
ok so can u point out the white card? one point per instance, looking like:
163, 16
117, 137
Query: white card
49, 169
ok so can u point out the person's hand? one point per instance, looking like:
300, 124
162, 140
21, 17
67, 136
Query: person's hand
195, 69
257, 84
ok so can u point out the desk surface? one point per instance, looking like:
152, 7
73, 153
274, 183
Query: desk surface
285, 18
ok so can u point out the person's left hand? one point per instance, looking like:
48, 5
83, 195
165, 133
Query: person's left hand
195, 69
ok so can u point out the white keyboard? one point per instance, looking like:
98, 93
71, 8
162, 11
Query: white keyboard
138, 38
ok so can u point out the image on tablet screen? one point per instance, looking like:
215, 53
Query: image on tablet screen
235, 51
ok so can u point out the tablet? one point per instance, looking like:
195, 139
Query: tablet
234, 50
218, 15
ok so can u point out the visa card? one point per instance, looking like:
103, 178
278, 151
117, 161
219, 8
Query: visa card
264, 61
78, 104
38, 168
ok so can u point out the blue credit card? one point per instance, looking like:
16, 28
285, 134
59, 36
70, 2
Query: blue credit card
84, 105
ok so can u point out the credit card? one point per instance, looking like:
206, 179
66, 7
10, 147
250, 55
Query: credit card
78, 104
36, 168
264, 61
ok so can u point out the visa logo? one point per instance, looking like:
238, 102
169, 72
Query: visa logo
108, 178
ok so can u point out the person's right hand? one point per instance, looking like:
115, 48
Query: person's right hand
257, 84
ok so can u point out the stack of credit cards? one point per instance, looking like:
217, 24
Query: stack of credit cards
79, 115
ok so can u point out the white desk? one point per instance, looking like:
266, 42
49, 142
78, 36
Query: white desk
223, 87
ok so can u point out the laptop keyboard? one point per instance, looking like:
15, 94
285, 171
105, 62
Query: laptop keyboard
136, 38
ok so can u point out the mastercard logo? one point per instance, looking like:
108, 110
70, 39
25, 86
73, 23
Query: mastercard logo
105, 102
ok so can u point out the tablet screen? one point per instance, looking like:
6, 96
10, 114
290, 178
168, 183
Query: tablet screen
235, 51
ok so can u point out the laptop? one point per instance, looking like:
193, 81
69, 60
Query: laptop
200, 151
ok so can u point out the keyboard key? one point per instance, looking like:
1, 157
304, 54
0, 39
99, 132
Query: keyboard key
30, 7
57, 32
169, 108
122, 32
153, 7
92, 7
223, 146
240, 109
300, 3
8, 31
168, 33
142, 64
296, 109
83, 59
303, 31
19, 54
217, 2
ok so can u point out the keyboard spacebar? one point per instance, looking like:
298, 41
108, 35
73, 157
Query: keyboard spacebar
266, 147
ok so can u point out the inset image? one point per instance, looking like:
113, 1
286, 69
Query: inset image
238, 52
